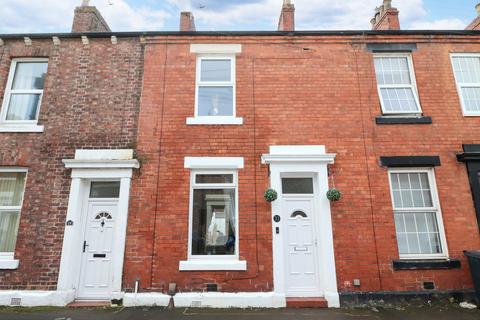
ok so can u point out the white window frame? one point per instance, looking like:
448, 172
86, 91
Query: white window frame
216, 120
209, 186
464, 85
20, 125
213, 262
412, 86
7, 259
436, 208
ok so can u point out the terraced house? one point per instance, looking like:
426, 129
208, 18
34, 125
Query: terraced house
109, 196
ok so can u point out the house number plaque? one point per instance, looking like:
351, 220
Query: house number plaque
69, 223
276, 218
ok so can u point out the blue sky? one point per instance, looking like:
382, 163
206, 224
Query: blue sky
18, 16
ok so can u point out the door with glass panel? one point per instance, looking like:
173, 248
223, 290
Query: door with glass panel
12, 186
300, 237
98, 250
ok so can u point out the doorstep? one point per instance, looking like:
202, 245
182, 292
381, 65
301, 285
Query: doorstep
89, 304
319, 302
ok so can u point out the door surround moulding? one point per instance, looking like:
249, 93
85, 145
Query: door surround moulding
94, 165
295, 159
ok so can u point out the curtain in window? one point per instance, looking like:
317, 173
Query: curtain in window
11, 188
8, 230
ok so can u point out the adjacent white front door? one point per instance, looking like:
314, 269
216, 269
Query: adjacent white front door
98, 250
298, 214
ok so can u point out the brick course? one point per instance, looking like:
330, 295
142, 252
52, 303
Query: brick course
91, 101
298, 90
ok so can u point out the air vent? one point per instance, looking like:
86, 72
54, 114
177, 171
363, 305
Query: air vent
429, 285
212, 287
16, 302
196, 304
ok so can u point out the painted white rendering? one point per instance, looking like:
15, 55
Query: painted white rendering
87, 167
318, 252
207, 300
33, 298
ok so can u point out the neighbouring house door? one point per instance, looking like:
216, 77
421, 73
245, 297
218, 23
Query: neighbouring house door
302, 278
471, 157
98, 250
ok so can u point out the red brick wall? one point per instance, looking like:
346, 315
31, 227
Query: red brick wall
310, 90
91, 100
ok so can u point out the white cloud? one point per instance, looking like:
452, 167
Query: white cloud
312, 14
56, 15
17, 16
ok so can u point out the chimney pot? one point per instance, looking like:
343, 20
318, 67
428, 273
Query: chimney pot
88, 19
287, 17
187, 21
477, 7
386, 17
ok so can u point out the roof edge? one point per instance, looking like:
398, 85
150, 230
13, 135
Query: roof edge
15, 36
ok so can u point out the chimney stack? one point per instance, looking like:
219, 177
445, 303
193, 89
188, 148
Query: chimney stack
386, 17
287, 17
88, 19
187, 21
475, 25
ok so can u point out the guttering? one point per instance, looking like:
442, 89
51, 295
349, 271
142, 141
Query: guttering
245, 33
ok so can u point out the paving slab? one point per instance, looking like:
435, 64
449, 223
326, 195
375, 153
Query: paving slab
410, 313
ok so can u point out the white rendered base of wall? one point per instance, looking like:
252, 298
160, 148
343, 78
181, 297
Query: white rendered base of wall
333, 299
208, 300
34, 298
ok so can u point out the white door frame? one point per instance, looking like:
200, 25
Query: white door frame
88, 165
312, 160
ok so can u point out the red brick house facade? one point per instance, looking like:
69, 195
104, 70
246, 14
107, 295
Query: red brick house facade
388, 117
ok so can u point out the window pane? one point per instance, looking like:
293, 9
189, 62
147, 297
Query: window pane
213, 222
8, 230
29, 76
11, 188
23, 107
215, 101
411, 191
105, 189
471, 98
467, 69
392, 70
297, 185
399, 100
216, 70
419, 235
214, 178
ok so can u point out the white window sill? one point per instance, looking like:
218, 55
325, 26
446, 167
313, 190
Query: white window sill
7, 127
8, 264
214, 121
213, 265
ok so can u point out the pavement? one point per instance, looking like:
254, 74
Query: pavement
450, 312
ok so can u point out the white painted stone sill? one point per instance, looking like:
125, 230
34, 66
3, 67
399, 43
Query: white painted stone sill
26, 128
9, 264
213, 265
214, 121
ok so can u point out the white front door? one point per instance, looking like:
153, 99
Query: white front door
302, 278
96, 270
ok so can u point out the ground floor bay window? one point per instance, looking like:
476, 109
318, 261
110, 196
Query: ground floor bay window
213, 219
12, 186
